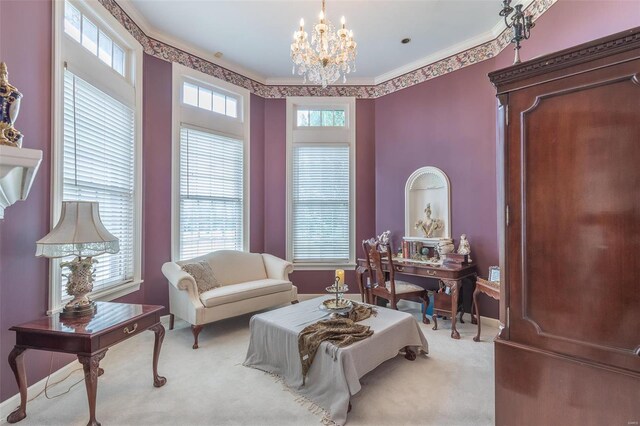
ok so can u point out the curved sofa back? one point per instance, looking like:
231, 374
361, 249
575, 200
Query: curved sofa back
233, 267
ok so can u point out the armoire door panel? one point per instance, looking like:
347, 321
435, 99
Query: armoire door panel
574, 196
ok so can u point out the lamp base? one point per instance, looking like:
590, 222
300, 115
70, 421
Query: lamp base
77, 311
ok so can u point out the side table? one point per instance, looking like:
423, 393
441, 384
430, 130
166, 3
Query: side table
491, 289
87, 337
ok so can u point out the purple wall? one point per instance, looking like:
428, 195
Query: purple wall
256, 174
23, 277
447, 122
156, 158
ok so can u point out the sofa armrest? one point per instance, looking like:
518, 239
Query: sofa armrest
182, 281
277, 268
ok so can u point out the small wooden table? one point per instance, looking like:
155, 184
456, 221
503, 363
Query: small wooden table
491, 289
89, 338
451, 275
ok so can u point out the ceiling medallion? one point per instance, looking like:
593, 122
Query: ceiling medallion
330, 54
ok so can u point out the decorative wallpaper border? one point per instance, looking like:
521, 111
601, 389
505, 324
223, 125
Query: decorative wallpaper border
444, 66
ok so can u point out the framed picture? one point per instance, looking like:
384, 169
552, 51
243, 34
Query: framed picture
494, 273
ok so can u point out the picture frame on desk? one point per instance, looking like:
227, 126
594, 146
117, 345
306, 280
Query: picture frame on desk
494, 274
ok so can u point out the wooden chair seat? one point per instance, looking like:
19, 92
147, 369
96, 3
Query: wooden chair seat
403, 287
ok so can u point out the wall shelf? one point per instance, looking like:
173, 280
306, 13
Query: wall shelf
18, 169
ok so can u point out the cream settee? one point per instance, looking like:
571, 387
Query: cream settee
247, 282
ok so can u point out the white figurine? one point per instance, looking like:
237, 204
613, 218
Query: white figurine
428, 225
464, 247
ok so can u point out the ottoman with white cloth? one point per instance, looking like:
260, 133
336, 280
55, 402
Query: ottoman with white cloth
335, 373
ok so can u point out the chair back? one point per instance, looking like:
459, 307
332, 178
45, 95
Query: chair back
376, 254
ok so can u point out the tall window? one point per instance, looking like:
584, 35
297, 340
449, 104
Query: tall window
210, 169
320, 201
98, 165
96, 156
211, 193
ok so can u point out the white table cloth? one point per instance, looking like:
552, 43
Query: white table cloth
335, 373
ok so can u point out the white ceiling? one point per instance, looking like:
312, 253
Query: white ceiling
254, 36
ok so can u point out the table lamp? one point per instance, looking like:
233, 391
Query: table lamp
79, 233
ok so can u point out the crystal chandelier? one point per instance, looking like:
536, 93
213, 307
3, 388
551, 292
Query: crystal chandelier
330, 54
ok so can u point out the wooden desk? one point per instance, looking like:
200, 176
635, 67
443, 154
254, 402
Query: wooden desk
450, 275
89, 338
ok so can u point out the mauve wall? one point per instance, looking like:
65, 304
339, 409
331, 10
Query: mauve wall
275, 188
449, 122
409, 124
23, 277
156, 159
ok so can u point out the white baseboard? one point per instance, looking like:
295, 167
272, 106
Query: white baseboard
489, 322
7, 406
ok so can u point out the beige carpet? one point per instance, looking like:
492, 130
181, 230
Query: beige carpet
453, 385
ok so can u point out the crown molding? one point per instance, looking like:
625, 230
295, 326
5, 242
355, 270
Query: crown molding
469, 52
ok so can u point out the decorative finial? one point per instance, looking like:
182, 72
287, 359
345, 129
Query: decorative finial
4, 74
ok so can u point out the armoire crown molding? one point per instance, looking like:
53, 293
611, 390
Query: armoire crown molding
243, 78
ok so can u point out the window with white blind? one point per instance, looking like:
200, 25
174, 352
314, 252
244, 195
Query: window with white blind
98, 165
210, 166
320, 185
211, 193
97, 138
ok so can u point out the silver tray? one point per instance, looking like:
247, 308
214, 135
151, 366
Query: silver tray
334, 289
345, 310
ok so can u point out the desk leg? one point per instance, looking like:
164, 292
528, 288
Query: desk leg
455, 291
474, 320
477, 309
91, 365
158, 329
16, 362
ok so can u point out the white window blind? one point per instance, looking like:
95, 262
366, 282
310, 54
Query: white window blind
211, 193
99, 166
320, 203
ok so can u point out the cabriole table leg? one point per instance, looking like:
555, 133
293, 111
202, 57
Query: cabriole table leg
158, 329
16, 362
91, 366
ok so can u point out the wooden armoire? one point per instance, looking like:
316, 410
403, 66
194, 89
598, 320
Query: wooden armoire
569, 221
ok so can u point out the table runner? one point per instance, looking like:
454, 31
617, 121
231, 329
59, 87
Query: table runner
335, 373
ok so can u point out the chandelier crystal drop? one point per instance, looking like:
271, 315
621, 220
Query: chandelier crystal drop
329, 55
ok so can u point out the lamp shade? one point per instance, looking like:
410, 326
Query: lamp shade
79, 232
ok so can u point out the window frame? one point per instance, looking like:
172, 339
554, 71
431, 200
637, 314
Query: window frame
318, 135
69, 54
187, 115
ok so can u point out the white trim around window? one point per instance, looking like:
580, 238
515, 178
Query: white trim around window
214, 126
70, 56
334, 139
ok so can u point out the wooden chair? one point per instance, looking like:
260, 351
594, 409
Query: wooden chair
378, 253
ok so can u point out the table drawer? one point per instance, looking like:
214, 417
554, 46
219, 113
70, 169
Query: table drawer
127, 330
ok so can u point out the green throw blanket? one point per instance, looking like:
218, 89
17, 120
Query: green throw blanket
340, 332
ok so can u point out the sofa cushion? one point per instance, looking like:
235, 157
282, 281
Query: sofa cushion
232, 267
203, 274
243, 291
